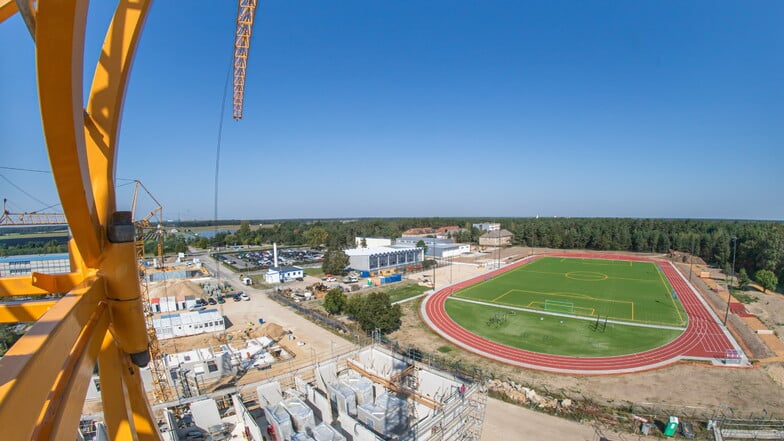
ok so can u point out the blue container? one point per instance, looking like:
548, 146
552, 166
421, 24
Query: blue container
364, 274
391, 279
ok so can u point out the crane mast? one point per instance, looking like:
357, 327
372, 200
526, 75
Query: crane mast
246, 13
145, 229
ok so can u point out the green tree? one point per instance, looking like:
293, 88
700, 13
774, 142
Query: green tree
334, 301
335, 261
375, 311
202, 243
363, 243
421, 244
7, 337
743, 279
767, 279
315, 236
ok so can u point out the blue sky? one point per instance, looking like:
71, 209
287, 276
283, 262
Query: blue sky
439, 108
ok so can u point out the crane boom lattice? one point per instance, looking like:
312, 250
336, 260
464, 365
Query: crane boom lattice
246, 14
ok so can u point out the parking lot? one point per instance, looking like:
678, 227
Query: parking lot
263, 259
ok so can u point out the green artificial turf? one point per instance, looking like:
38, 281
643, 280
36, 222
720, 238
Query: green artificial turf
556, 335
617, 290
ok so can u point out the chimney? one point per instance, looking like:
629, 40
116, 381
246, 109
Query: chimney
275, 253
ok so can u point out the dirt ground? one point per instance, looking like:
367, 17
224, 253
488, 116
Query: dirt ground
745, 391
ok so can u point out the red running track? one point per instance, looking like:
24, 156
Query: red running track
703, 338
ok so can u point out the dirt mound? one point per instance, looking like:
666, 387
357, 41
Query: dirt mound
174, 288
273, 331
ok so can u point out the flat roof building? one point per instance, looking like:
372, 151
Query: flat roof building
378, 258
39, 263
436, 247
280, 274
372, 242
488, 226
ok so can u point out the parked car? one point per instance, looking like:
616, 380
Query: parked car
244, 296
237, 298
221, 299
212, 301
330, 279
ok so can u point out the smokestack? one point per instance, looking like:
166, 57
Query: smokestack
275, 253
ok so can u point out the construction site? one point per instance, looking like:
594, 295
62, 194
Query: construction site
367, 394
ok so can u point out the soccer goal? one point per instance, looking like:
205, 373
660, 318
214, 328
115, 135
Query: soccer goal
559, 306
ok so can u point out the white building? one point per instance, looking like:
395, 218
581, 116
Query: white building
372, 242
188, 323
435, 247
39, 263
280, 274
378, 258
488, 226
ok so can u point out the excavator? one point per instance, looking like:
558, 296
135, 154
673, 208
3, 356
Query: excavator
99, 319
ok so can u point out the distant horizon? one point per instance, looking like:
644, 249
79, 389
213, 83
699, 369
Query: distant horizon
485, 219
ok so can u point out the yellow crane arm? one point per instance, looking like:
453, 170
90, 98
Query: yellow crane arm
7, 9
31, 218
246, 13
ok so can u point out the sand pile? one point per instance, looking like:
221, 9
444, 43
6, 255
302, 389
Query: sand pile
174, 288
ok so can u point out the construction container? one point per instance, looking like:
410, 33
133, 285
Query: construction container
671, 427
362, 387
324, 432
687, 430
302, 416
364, 274
280, 420
344, 398
391, 279
155, 305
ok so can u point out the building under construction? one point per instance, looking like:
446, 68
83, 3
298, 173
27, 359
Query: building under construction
367, 395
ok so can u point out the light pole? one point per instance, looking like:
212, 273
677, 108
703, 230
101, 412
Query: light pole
450, 270
729, 286
691, 258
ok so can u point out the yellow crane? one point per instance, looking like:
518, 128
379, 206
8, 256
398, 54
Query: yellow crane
144, 229
246, 14
31, 217
100, 320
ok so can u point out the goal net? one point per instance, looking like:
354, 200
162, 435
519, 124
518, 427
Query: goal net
559, 306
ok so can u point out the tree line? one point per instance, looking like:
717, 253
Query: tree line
757, 245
